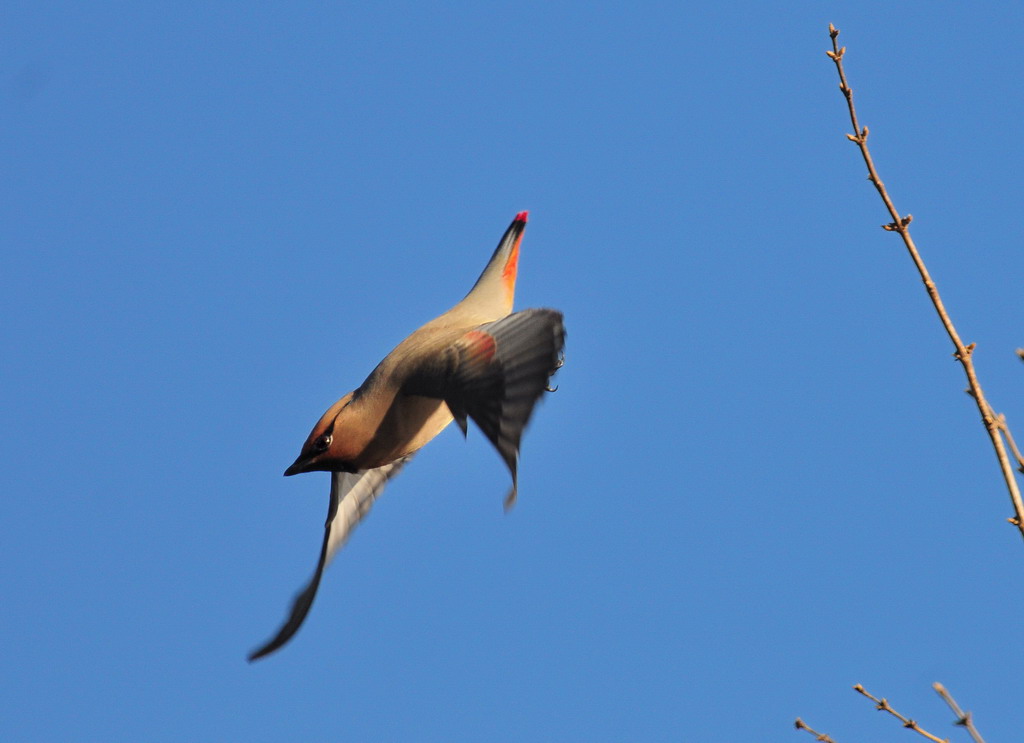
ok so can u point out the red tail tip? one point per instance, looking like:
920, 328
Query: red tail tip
521, 217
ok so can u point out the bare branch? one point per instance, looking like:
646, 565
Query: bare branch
801, 725
883, 706
962, 718
994, 425
1001, 423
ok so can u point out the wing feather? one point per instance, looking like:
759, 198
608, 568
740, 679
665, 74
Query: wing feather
352, 496
498, 371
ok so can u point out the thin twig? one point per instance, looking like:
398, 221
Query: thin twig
962, 352
962, 718
801, 725
883, 705
1001, 422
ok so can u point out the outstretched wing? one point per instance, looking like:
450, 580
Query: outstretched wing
497, 372
352, 495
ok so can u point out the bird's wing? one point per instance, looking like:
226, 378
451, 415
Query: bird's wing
494, 374
352, 495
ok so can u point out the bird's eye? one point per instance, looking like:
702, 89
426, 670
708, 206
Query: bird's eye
322, 442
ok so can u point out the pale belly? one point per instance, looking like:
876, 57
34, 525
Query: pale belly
411, 422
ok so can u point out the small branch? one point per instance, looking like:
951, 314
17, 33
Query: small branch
883, 705
962, 718
994, 425
1001, 423
801, 725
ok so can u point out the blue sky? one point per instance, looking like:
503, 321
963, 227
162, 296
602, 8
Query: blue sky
759, 482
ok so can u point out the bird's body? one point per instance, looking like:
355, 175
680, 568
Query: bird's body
474, 361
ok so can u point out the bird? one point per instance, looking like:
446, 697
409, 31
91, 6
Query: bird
479, 360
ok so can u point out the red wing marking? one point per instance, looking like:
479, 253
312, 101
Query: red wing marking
480, 345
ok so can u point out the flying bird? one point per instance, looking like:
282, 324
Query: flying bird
478, 361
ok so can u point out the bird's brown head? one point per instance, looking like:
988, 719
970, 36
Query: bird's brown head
322, 450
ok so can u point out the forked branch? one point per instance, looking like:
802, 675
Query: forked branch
995, 424
964, 719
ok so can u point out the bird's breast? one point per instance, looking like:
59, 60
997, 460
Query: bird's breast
407, 423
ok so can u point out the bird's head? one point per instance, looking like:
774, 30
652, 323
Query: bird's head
322, 449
